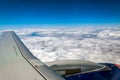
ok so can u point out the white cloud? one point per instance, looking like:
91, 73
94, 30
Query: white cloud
98, 45
109, 34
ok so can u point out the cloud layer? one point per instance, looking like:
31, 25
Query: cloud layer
93, 44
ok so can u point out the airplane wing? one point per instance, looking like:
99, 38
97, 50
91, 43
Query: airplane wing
18, 63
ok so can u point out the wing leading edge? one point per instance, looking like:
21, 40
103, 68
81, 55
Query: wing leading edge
18, 63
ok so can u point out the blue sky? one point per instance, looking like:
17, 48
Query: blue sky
32, 12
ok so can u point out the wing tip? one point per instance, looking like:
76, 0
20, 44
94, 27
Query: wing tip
8, 32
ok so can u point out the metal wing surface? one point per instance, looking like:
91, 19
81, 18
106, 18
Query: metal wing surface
18, 63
